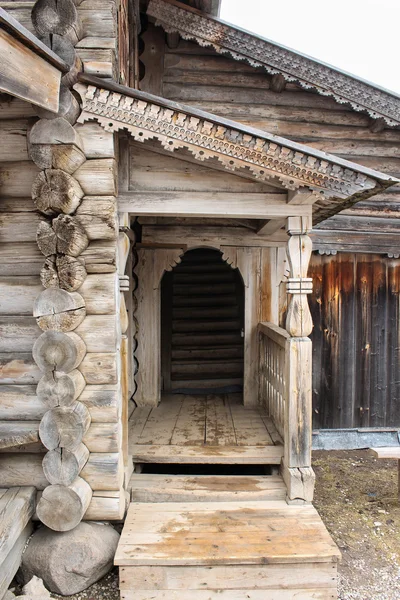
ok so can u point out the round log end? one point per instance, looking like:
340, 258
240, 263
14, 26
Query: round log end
59, 310
56, 350
64, 426
60, 389
62, 508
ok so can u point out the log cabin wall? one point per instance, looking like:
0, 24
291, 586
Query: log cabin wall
355, 309
21, 264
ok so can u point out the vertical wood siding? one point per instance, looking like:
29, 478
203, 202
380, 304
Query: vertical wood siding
355, 308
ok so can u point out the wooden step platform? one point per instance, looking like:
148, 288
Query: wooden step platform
205, 429
197, 488
233, 550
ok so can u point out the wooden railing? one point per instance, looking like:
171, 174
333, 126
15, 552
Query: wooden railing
285, 392
273, 361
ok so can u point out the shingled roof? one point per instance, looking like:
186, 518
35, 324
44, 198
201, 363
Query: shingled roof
308, 72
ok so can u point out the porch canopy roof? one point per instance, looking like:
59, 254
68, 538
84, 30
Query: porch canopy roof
310, 73
326, 183
28, 70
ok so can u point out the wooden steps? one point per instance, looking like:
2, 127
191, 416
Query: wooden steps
17, 506
255, 550
198, 488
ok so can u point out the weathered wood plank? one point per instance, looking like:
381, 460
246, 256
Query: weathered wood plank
12, 563
209, 204
16, 509
206, 454
18, 368
27, 75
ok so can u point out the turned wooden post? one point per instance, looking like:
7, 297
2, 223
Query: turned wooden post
297, 470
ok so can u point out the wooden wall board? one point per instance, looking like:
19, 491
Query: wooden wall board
355, 309
26, 75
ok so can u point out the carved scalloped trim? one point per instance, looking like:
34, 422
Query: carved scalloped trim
262, 158
308, 73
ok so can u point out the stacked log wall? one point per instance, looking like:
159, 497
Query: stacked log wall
94, 320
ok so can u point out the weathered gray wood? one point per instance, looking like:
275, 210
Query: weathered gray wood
58, 350
28, 76
17, 294
24, 254
60, 389
99, 368
215, 236
98, 216
50, 17
97, 177
68, 109
64, 426
100, 294
100, 257
12, 563
104, 471
55, 144
18, 433
14, 143
103, 437
54, 191
16, 181
63, 466
62, 507
18, 368
22, 470
99, 333
103, 402
65, 236
59, 310
209, 204
96, 142
104, 507
18, 334
16, 509
66, 272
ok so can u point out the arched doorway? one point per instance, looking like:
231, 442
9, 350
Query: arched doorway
202, 325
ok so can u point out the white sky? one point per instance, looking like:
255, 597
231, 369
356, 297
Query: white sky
358, 36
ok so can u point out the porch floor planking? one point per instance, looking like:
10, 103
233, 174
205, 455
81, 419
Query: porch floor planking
214, 428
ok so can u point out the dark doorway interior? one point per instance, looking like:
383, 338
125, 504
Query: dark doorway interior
202, 318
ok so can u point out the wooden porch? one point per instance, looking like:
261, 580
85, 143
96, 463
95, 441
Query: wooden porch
205, 429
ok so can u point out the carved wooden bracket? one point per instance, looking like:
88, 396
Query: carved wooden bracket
262, 156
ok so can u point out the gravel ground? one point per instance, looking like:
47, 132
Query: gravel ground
356, 496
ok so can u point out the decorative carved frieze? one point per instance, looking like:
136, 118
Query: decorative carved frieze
264, 156
258, 52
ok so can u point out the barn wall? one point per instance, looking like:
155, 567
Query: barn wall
356, 356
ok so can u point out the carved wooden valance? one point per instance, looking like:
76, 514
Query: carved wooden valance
274, 58
237, 147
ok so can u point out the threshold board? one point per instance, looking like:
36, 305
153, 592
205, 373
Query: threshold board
250, 455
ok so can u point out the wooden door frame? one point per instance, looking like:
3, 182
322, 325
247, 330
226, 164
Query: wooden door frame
257, 267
